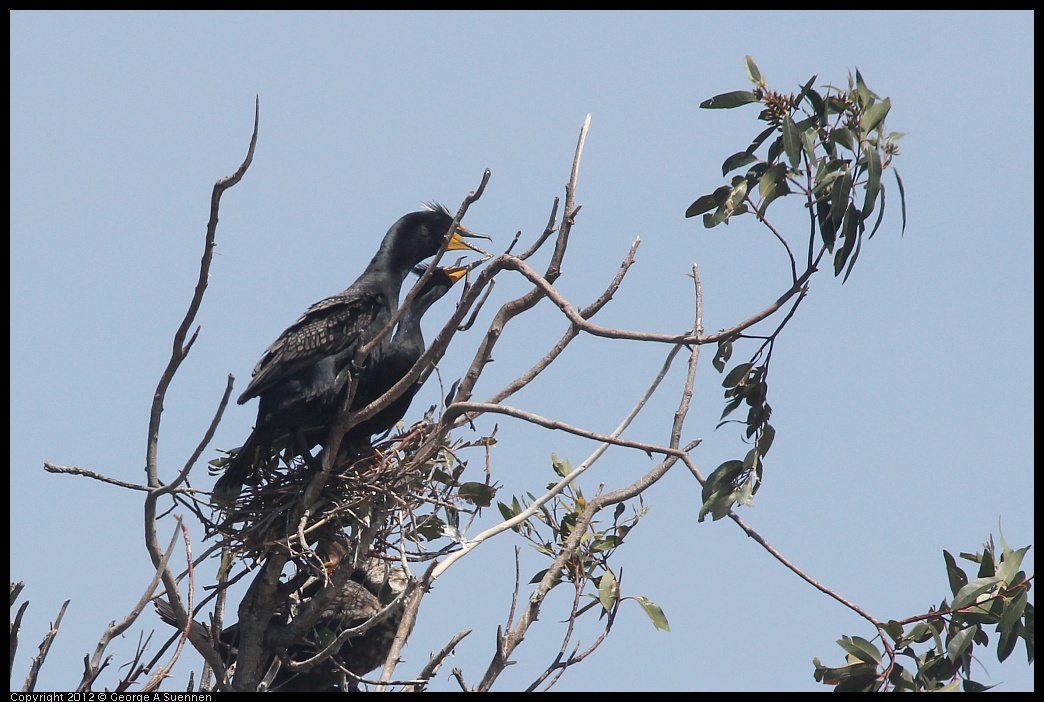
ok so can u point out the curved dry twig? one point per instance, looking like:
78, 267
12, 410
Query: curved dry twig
94, 475
178, 353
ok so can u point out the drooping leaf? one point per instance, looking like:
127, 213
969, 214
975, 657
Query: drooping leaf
755, 172
654, 612
839, 197
608, 591
987, 565
880, 215
960, 642
730, 407
855, 254
848, 234
779, 189
768, 434
737, 375
791, 142
717, 505
827, 226
902, 199
873, 181
808, 143
1006, 644
826, 174
1013, 611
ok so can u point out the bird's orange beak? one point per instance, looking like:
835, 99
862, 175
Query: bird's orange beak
458, 243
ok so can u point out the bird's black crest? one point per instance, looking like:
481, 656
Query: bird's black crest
437, 207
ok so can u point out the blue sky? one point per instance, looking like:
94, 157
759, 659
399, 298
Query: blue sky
903, 399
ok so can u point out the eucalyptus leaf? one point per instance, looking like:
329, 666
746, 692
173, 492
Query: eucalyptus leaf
608, 591
969, 593
791, 142
727, 101
960, 642
655, 613
752, 71
873, 181
704, 203
874, 115
737, 160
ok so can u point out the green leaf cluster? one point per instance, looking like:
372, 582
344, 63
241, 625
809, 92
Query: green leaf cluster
737, 481
935, 651
829, 146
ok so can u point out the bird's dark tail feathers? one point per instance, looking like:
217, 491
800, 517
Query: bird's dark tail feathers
166, 614
237, 470
263, 448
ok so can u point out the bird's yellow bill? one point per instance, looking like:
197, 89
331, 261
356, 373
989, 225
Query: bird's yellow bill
457, 242
456, 273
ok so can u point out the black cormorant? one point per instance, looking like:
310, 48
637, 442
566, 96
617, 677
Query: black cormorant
301, 379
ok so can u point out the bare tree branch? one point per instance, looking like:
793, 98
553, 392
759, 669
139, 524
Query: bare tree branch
178, 354
73, 470
435, 662
16, 621
45, 647
95, 665
573, 331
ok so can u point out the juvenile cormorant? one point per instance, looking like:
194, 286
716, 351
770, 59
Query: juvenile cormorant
372, 586
399, 358
301, 379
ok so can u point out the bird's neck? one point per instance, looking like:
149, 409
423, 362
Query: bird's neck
383, 268
390, 260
